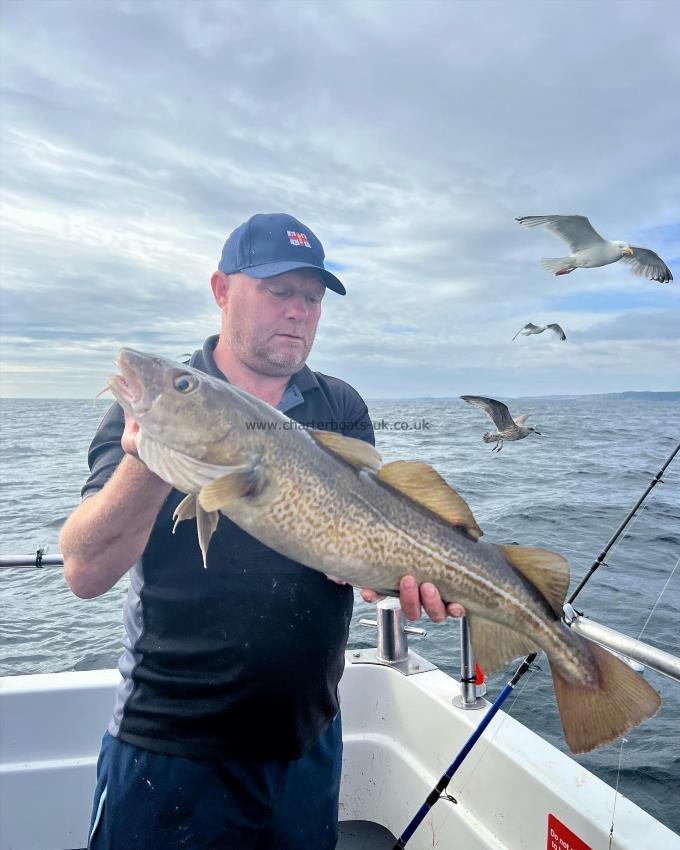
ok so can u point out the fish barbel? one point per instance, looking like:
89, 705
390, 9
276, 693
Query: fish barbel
328, 502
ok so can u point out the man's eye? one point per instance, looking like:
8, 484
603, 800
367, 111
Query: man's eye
277, 293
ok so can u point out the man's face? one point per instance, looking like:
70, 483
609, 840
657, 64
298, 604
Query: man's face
270, 323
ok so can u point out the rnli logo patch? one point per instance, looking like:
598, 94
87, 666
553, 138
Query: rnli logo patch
296, 238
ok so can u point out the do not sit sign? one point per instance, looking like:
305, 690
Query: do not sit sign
561, 837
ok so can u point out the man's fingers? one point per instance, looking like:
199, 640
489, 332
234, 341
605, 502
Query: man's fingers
409, 594
412, 596
432, 602
369, 595
455, 609
129, 438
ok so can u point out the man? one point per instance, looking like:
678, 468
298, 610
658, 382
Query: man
226, 729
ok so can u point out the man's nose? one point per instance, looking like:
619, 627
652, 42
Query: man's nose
297, 308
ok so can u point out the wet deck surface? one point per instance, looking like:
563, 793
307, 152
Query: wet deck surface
362, 835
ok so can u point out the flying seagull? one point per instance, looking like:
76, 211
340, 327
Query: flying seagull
531, 328
508, 428
589, 250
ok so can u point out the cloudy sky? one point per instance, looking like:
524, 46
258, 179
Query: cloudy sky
407, 135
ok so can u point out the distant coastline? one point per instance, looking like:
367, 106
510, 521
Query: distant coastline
633, 395
649, 395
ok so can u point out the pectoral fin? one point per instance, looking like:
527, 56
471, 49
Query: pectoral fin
238, 482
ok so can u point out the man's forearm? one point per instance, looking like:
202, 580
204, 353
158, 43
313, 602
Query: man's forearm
108, 532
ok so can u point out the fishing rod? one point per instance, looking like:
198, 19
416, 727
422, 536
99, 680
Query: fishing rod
619, 531
439, 790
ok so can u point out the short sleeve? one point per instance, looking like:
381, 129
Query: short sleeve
105, 452
356, 421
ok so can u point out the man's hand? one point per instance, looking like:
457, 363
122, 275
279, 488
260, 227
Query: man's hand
413, 597
128, 440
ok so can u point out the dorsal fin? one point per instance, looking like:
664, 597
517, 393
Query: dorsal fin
424, 485
547, 571
358, 453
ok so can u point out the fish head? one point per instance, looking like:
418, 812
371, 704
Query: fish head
176, 405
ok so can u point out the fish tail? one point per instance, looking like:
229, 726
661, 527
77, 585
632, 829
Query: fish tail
595, 715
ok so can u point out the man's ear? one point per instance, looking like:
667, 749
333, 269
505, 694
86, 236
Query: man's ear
220, 287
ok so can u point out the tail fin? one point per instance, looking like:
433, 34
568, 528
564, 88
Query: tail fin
592, 717
556, 264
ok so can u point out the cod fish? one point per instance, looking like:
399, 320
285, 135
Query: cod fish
328, 502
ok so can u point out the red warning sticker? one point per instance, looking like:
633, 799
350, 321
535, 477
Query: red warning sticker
561, 837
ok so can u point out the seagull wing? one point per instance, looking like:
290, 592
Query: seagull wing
520, 420
558, 330
498, 411
646, 263
576, 230
531, 327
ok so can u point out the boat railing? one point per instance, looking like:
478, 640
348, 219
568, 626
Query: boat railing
392, 639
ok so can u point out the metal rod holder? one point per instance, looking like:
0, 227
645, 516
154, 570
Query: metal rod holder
392, 631
392, 639
468, 698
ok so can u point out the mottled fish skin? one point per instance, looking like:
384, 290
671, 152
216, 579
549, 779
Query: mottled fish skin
327, 516
309, 504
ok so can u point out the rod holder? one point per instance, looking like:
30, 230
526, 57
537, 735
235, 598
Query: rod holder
468, 698
392, 631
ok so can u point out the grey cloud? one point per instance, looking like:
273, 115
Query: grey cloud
139, 134
641, 325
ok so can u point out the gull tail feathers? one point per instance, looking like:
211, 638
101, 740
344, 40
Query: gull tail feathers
557, 265
592, 717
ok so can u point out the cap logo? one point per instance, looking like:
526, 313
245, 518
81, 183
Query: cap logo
296, 238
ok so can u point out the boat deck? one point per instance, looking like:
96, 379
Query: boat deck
513, 792
362, 835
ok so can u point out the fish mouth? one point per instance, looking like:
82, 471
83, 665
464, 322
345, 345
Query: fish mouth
128, 388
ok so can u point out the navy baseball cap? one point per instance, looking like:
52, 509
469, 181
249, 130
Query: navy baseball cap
267, 245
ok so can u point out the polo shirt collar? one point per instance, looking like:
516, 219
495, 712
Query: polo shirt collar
299, 383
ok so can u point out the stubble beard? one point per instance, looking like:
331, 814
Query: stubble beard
268, 358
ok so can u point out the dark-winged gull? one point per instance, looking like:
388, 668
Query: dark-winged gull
589, 250
531, 328
508, 428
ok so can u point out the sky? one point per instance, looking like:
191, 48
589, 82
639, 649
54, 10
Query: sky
136, 135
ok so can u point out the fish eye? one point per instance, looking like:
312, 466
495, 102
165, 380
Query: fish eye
184, 383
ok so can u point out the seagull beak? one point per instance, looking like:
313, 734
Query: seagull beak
538, 432
628, 251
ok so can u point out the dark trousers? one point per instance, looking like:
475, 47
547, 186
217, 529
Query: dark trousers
149, 801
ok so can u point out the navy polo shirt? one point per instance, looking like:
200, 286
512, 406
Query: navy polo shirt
241, 659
